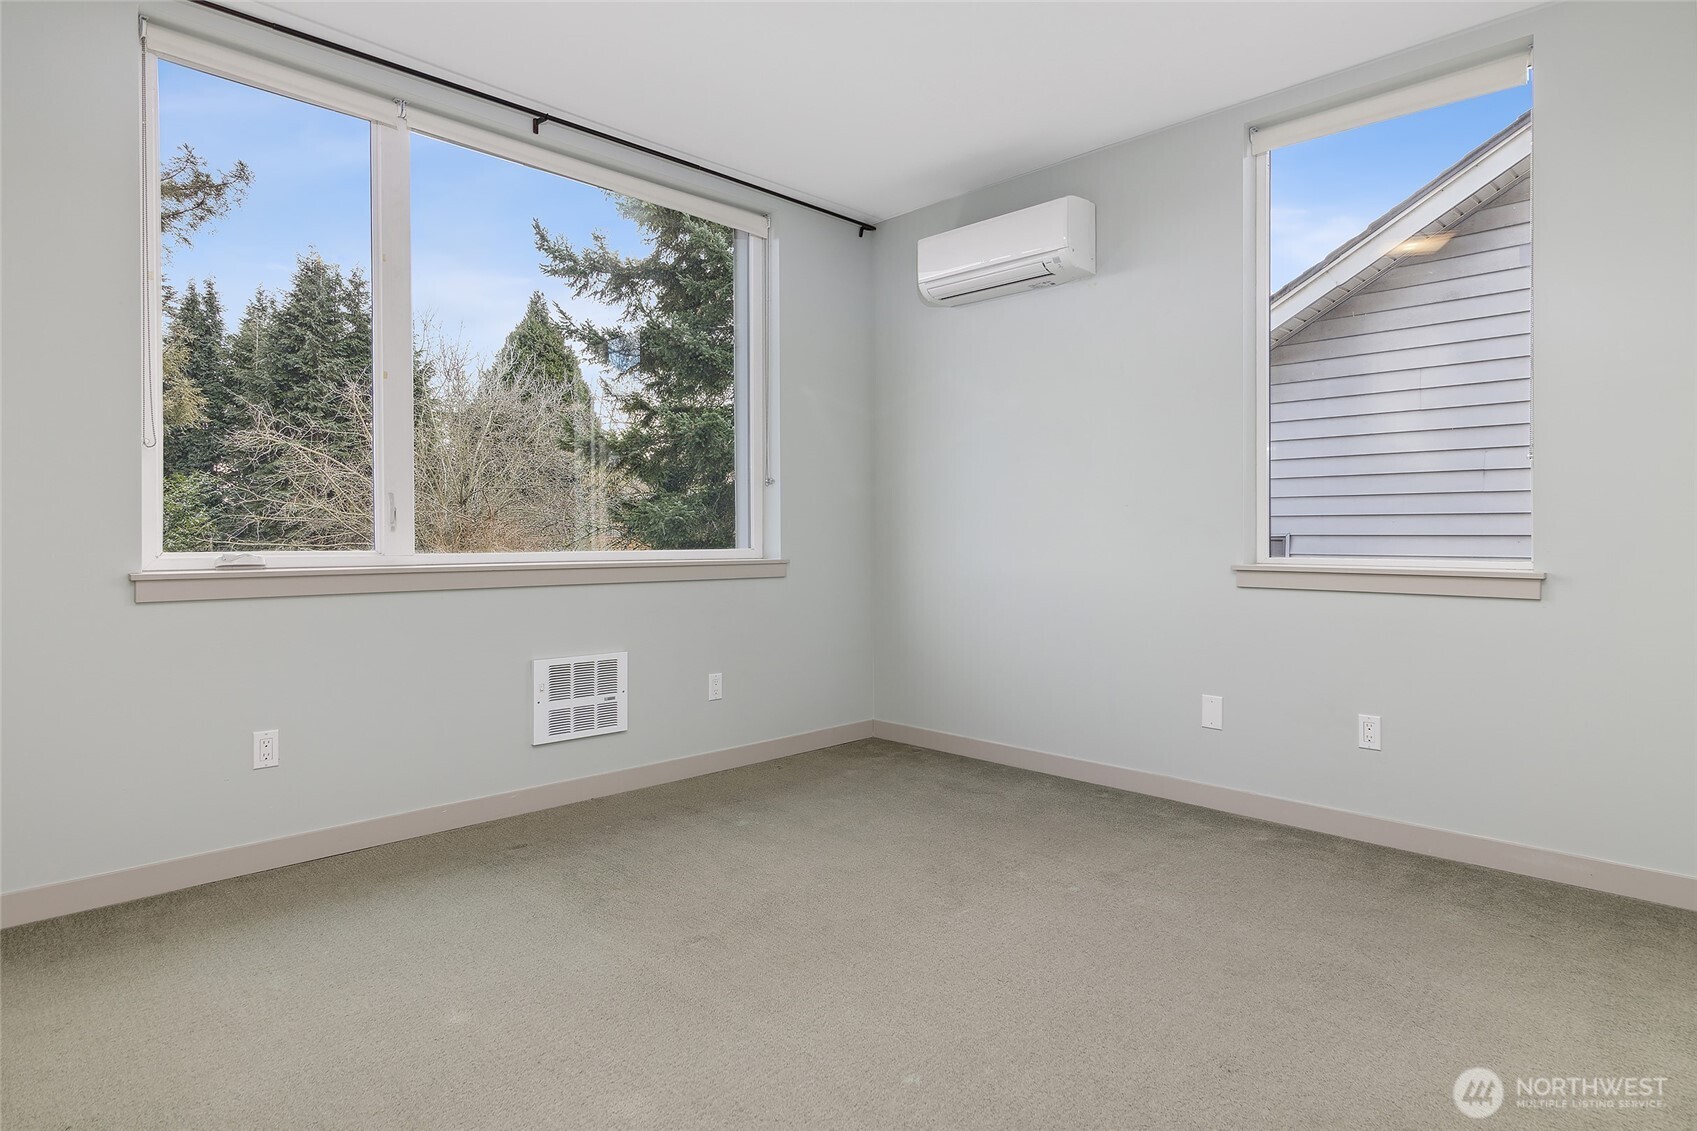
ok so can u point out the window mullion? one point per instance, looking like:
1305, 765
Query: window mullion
392, 354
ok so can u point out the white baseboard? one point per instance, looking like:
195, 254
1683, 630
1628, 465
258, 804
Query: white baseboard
1648, 884
49, 900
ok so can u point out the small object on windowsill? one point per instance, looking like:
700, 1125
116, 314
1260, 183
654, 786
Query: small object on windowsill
239, 561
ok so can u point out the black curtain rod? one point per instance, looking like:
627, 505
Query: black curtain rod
537, 117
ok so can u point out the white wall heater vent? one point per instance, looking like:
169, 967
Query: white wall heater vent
578, 696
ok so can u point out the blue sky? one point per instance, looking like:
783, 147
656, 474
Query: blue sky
1326, 190
474, 259
474, 256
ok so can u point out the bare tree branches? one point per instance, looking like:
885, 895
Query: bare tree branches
323, 500
496, 469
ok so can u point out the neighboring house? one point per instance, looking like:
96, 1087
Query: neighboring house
1401, 401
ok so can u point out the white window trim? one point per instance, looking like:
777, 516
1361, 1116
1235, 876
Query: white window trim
1458, 578
393, 564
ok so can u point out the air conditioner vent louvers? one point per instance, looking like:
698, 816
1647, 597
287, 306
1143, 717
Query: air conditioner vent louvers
578, 696
1021, 278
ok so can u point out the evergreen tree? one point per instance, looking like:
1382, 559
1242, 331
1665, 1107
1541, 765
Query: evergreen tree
318, 340
191, 196
675, 344
536, 350
535, 355
196, 379
251, 340
191, 501
295, 359
196, 404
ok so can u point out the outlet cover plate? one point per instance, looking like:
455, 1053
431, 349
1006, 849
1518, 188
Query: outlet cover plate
1214, 712
267, 750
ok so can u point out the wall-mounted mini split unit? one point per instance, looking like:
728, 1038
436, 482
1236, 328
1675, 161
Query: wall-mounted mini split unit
579, 696
1041, 246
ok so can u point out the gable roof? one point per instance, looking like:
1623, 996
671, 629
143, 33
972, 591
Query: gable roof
1440, 204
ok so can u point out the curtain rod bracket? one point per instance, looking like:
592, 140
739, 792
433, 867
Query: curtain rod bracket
536, 123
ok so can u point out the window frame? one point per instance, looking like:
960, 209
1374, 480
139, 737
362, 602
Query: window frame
1448, 576
392, 121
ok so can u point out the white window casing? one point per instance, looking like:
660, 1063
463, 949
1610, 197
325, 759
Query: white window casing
1470, 578
393, 563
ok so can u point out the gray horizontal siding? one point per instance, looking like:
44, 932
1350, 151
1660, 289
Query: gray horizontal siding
1437, 268
1454, 547
1403, 400
1470, 480
1433, 503
1413, 422
1409, 337
1385, 443
1401, 421
1385, 463
1430, 377
1511, 207
1419, 357
1424, 525
1489, 283
1421, 314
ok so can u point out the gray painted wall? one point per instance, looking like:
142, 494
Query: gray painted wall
1401, 421
1063, 480
127, 728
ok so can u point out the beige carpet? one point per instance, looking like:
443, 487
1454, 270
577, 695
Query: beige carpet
867, 936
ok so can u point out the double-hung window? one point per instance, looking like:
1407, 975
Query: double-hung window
382, 337
1394, 335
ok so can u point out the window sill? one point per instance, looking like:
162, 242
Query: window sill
1517, 584
318, 581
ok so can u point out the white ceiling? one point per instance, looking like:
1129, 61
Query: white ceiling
879, 108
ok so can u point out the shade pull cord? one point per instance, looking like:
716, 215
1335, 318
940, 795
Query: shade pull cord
150, 315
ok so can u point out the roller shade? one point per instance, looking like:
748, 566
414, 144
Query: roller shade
1485, 78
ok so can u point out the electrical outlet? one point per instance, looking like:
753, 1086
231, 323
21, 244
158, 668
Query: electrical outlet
1368, 732
265, 749
1214, 712
716, 685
